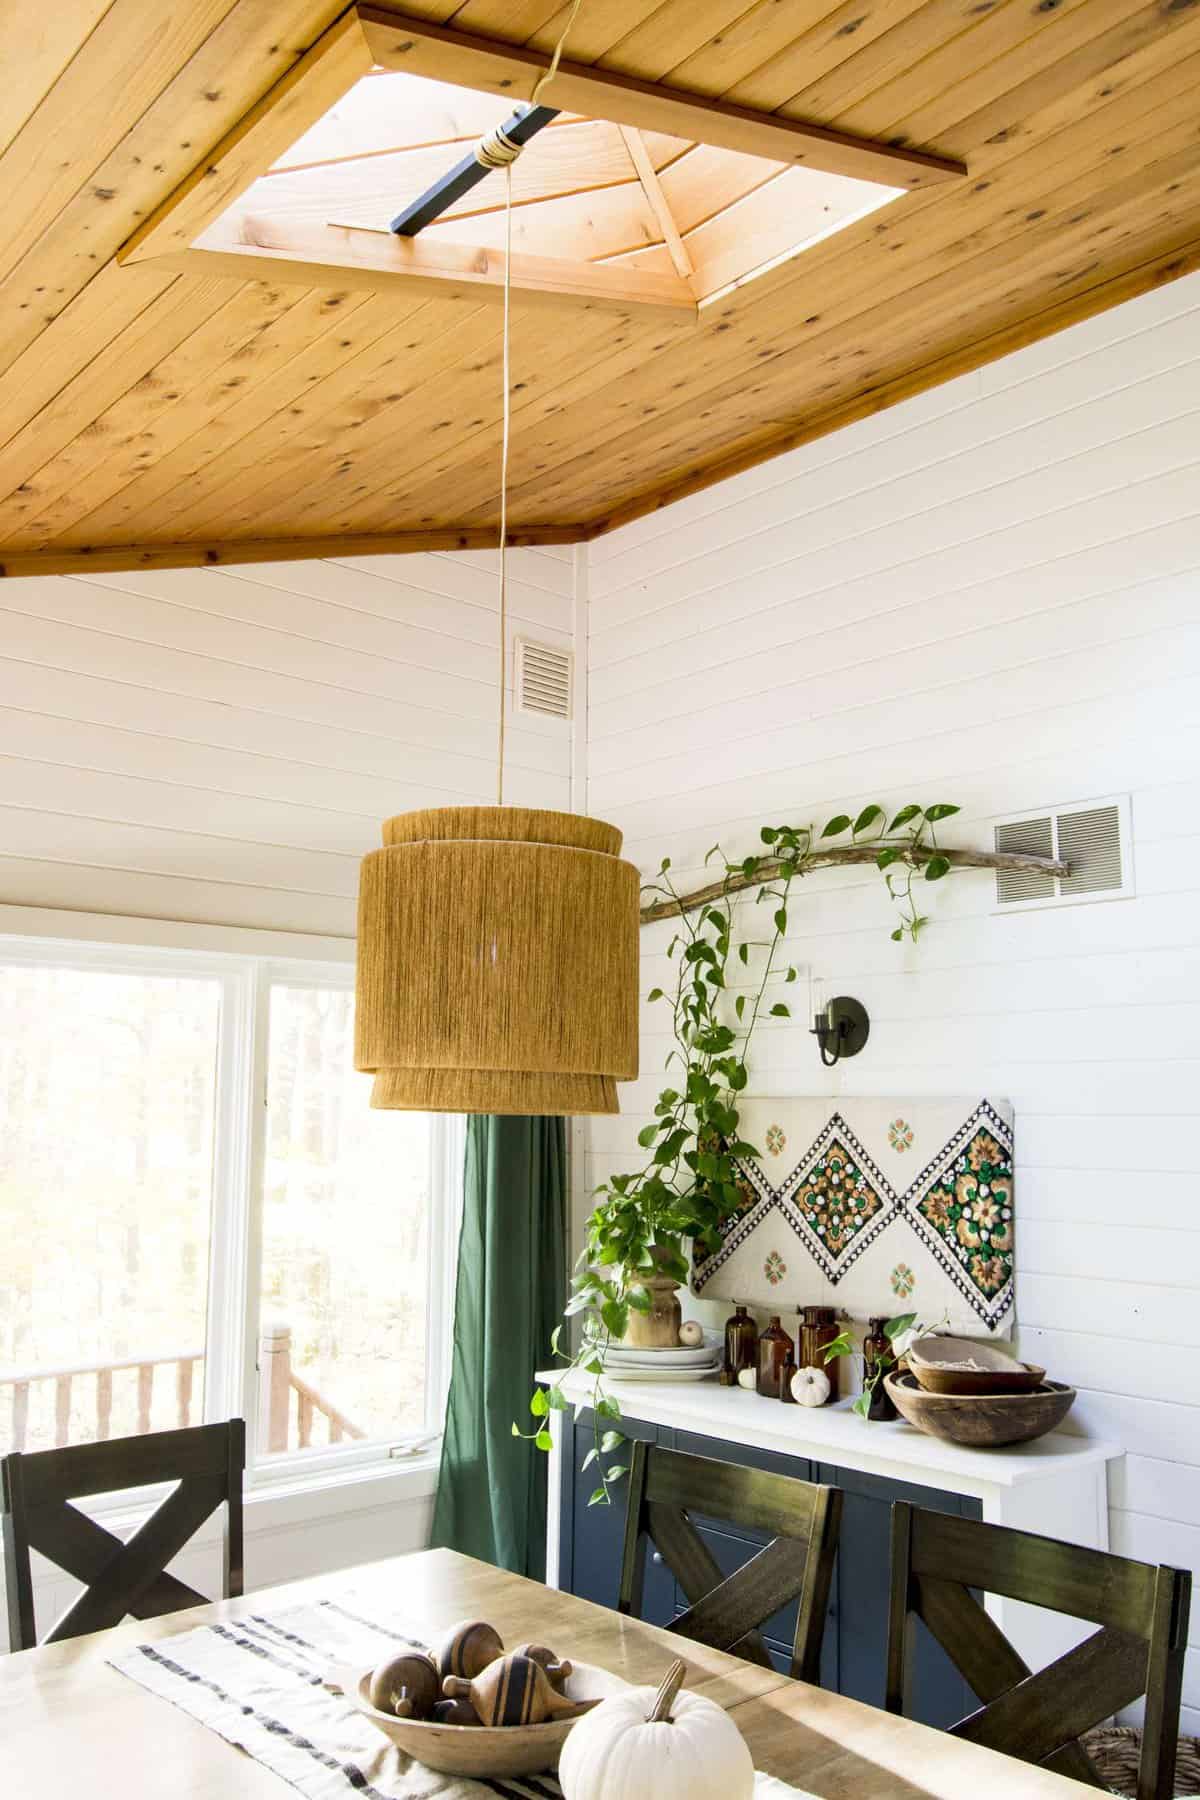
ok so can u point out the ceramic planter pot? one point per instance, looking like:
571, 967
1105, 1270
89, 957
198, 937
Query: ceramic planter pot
657, 1329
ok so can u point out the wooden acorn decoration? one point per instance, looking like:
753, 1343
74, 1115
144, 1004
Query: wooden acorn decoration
556, 1671
513, 1690
407, 1685
455, 1712
468, 1648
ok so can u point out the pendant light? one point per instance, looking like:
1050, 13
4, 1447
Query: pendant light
498, 945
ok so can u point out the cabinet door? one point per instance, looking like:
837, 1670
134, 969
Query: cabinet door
598, 1532
939, 1695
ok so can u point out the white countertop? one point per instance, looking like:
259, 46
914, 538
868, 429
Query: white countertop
836, 1435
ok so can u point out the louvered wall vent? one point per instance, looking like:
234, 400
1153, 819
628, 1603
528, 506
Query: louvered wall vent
543, 679
1094, 838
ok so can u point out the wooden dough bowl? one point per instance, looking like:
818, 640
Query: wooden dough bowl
940, 1365
488, 1750
982, 1421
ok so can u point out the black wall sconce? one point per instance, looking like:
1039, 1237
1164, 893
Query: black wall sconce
841, 1028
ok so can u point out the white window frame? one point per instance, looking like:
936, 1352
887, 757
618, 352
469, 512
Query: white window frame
231, 1386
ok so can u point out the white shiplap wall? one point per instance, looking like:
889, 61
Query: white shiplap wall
219, 746
989, 595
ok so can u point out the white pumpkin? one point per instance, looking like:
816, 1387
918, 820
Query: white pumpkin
748, 1379
810, 1387
691, 1334
675, 1746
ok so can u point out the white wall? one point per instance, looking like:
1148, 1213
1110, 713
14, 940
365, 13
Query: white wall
989, 595
221, 745
218, 747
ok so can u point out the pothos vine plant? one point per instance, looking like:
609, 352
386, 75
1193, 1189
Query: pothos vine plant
688, 1187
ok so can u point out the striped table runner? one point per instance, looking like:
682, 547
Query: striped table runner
260, 1682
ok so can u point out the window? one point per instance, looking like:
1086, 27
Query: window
201, 1216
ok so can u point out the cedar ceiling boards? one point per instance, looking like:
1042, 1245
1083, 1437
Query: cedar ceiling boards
152, 415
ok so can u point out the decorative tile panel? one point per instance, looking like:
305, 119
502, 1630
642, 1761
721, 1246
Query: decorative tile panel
873, 1206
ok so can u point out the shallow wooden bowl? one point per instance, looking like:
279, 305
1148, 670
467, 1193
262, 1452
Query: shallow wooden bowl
940, 1364
487, 1750
1025, 1378
982, 1421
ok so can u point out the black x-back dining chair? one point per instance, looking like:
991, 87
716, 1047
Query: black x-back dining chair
120, 1579
1142, 1614
668, 1487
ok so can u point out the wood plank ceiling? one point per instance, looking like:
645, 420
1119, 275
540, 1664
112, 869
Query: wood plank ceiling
149, 416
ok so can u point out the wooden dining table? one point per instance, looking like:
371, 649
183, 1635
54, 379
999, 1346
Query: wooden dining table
71, 1725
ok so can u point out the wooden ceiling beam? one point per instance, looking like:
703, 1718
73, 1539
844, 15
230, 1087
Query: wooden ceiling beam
356, 258
116, 557
509, 70
652, 188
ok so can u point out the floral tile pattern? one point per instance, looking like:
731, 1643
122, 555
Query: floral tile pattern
961, 1206
903, 1281
774, 1268
836, 1198
836, 1204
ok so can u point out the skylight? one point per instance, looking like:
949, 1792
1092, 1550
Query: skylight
693, 219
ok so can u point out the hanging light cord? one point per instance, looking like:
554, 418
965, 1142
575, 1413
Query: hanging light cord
496, 151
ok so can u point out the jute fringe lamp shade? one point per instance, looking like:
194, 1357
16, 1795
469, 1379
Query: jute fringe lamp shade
497, 963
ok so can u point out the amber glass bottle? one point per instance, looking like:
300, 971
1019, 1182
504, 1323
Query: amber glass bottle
818, 1327
741, 1346
774, 1348
877, 1350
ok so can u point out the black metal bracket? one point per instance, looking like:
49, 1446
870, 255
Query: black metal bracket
525, 123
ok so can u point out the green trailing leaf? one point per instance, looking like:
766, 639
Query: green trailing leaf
905, 817
885, 858
867, 818
544, 1441
589, 1459
936, 868
781, 921
599, 1497
780, 1011
654, 994
941, 811
862, 1404
612, 1440
836, 825
539, 1405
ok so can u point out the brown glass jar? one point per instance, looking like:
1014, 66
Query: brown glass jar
741, 1346
785, 1379
878, 1361
774, 1348
818, 1327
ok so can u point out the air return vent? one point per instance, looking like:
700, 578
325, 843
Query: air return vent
1094, 838
543, 680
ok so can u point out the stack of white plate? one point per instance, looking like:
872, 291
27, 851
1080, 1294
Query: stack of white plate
624, 1364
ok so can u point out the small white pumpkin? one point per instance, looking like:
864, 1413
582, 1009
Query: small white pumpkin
810, 1387
671, 1745
691, 1334
748, 1379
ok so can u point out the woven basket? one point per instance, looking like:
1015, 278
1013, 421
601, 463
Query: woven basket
1115, 1750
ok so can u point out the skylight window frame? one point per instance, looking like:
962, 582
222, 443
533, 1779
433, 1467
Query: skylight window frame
192, 229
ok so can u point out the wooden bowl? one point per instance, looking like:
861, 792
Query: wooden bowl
1023, 1378
487, 1750
982, 1421
942, 1365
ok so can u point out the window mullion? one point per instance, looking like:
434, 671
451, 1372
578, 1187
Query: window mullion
231, 1288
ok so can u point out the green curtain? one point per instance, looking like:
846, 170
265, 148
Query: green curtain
491, 1495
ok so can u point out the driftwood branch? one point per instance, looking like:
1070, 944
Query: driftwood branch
769, 868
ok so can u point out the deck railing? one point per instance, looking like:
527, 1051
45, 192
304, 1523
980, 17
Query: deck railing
279, 1382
